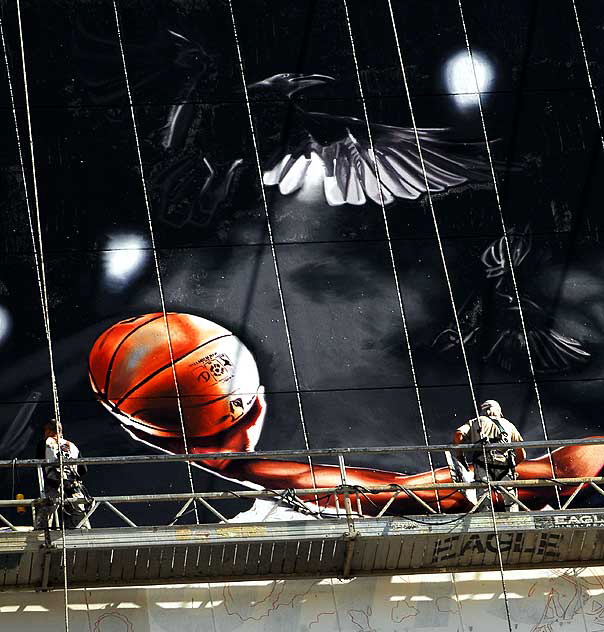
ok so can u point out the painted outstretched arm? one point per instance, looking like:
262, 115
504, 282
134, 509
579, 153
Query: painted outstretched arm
568, 461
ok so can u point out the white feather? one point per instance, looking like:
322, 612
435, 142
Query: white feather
333, 193
412, 193
294, 178
354, 190
372, 187
272, 177
412, 174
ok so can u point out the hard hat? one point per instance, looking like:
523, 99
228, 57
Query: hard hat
490, 403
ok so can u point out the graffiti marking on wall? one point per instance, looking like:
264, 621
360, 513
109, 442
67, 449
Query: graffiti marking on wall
279, 594
403, 610
110, 621
361, 619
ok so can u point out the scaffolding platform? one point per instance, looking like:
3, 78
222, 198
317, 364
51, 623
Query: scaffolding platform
129, 556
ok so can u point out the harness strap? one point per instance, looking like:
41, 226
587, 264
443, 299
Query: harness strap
509, 452
498, 424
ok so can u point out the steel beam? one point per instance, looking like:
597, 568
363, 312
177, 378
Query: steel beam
288, 454
380, 546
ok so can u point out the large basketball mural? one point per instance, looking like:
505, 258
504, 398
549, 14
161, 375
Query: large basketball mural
261, 225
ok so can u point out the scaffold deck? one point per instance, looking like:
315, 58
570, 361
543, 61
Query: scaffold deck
129, 556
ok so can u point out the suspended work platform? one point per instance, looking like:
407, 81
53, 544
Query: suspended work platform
347, 544
127, 556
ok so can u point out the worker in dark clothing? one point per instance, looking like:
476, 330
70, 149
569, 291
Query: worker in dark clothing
48, 449
489, 428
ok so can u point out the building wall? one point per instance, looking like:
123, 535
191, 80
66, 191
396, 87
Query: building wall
316, 301
540, 601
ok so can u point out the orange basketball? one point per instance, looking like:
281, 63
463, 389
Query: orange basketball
131, 373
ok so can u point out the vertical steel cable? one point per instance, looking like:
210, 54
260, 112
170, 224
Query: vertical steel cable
591, 85
36, 235
154, 250
579, 588
212, 608
451, 296
507, 246
599, 121
391, 253
458, 602
271, 241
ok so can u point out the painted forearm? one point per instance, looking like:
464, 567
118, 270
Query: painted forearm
289, 474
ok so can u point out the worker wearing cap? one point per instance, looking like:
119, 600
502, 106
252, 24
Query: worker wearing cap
491, 428
67, 473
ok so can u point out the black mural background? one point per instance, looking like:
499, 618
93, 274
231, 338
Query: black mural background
213, 249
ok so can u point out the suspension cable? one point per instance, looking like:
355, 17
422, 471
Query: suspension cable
452, 299
599, 121
589, 79
154, 250
38, 249
507, 246
397, 283
272, 242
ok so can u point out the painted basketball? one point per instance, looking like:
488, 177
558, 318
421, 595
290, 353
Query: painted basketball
132, 372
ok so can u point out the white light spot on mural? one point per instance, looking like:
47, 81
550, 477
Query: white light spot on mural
466, 83
124, 258
6, 323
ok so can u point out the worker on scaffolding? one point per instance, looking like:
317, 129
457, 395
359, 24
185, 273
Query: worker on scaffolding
54, 447
490, 427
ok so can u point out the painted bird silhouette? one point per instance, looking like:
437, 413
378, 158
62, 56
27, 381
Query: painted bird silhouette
343, 146
187, 185
168, 61
490, 319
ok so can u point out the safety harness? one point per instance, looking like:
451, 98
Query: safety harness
72, 480
501, 459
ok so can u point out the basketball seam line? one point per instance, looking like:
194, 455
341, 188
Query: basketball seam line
163, 368
99, 343
95, 385
140, 410
212, 401
119, 346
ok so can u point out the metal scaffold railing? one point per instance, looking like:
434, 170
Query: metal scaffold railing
343, 530
341, 500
